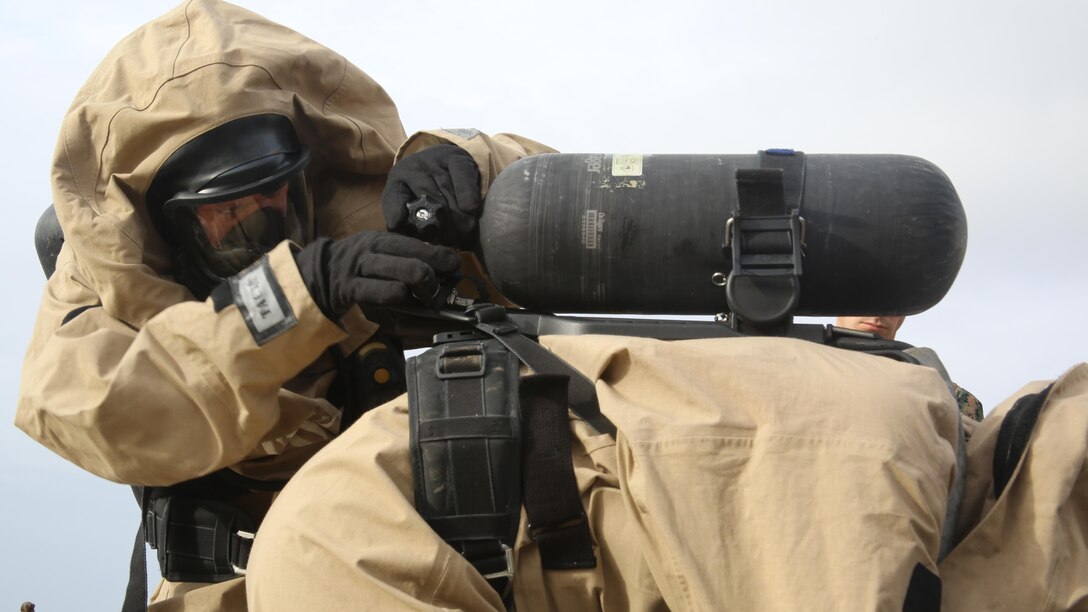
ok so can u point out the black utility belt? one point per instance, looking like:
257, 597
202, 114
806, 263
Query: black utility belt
198, 540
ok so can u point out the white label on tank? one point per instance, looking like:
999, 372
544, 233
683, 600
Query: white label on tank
627, 165
592, 226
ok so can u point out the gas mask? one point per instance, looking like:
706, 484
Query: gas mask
230, 195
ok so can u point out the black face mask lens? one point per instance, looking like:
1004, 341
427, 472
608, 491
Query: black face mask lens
205, 199
250, 238
223, 238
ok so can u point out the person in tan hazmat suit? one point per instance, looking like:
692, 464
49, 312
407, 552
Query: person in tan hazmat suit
218, 183
887, 327
724, 489
746, 473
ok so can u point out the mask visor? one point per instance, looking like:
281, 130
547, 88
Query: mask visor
224, 237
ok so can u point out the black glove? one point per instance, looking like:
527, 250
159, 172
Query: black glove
372, 268
448, 177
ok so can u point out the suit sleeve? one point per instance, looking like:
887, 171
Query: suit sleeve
189, 393
492, 153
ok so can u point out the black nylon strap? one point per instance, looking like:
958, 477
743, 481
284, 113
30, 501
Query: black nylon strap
774, 190
1013, 438
582, 395
760, 192
557, 522
492, 561
136, 592
470, 485
792, 164
75, 313
923, 591
469, 526
482, 426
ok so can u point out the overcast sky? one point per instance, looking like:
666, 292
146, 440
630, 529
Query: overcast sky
992, 92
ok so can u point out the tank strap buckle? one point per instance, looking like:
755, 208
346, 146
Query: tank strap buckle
764, 239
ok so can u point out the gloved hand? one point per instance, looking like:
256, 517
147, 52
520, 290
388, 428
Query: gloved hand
448, 176
372, 268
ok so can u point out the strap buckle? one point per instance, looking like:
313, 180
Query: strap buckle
491, 319
544, 531
764, 238
237, 562
508, 553
461, 360
567, 545
151, 527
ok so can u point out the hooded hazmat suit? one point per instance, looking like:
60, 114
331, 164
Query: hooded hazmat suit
746, 474
127, 375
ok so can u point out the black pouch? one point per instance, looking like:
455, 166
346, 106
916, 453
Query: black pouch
198, 540
465, 445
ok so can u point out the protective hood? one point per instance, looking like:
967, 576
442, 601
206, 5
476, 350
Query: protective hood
200, 65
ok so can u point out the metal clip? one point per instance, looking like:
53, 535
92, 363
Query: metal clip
509, 571
245, 535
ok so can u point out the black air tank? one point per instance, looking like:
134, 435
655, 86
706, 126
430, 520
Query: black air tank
598, 233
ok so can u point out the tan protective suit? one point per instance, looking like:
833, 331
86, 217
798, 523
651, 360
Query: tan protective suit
143, 385
1028, 548
747, 474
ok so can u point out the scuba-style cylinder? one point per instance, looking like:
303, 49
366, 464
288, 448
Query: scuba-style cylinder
605, 233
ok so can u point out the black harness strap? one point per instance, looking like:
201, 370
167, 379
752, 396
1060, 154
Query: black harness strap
75, 313
1014, 435
582, 395
557, 521
923, 591
136, 592
792, 164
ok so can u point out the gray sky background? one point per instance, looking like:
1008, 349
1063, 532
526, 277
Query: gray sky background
994, 92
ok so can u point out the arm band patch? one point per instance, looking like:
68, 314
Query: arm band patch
262, 302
